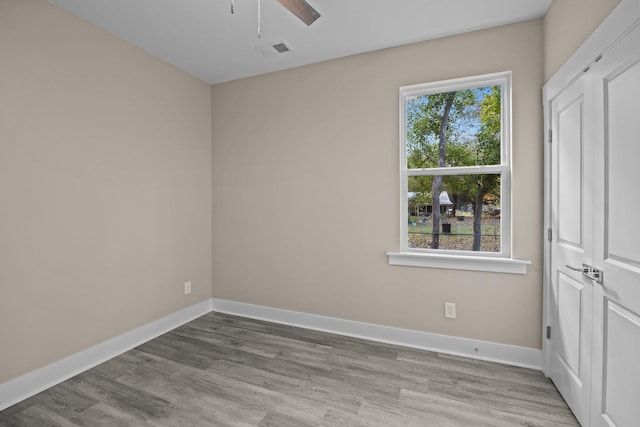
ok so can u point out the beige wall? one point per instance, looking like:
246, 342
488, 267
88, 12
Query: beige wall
305, 184
567, 25
105, 187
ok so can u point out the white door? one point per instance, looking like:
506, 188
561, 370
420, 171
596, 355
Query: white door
616, 350
571, 295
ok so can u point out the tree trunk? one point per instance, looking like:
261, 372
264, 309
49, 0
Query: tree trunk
454, 199
477, 220
437, 180
435, 212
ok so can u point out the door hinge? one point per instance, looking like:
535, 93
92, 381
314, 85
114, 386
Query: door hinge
548, 332
549, 136
549, 234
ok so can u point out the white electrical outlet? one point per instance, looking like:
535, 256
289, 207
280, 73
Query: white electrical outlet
187, 288
450, 310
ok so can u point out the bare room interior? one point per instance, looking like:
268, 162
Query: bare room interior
233, 213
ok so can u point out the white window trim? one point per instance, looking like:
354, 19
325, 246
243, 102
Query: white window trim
461, 260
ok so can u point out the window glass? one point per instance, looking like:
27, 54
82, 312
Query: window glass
455, 166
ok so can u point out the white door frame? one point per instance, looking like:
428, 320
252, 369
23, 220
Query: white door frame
620, 22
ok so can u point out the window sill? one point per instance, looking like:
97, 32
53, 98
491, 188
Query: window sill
459, 262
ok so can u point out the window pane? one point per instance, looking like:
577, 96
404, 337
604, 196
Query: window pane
471, 120
466, 212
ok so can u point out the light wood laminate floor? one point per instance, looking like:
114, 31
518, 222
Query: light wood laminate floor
222, 370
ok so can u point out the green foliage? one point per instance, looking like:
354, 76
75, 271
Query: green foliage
424, 121
490, 128
421, 185
488, 141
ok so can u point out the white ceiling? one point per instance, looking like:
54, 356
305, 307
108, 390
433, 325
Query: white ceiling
203, 38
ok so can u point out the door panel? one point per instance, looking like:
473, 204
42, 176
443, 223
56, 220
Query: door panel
571, 293
621, 374
570, 309
616, 380
623, 152
570, 173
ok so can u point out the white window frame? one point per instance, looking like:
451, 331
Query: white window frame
463, 260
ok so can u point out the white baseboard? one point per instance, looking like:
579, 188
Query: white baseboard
36, 381
482, 350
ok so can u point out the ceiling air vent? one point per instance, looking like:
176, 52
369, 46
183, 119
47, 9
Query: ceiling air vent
272, 49
281, 47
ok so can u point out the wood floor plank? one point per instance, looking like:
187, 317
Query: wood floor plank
223, 370
194, 404
131, 400
104, 415
65, 400
38, 416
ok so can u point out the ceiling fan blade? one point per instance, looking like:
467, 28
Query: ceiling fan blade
302, 10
